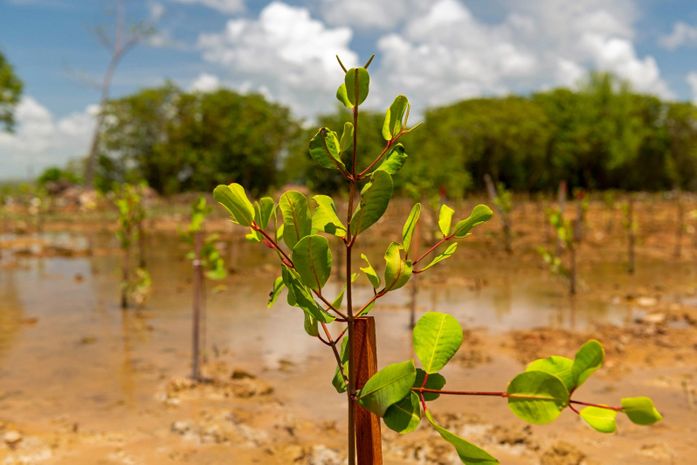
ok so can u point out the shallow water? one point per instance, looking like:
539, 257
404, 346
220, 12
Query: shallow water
65, 346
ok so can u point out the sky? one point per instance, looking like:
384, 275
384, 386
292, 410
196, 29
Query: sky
433, 51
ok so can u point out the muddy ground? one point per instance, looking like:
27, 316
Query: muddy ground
83, 383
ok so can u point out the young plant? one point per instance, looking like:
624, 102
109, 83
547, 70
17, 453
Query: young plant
582, 204
135, 285
502, 199
630, 227
564, 230
208, 263
298, 231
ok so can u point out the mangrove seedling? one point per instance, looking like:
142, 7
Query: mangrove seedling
502, 199
564, 230
630, 227
135, 284
298, 229
207, 263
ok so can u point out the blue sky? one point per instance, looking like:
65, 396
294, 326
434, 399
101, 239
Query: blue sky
434, 51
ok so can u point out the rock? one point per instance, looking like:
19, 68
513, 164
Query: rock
12, 438
180, 427
653, 318
646, 301
241, 374
562, 453
322, 455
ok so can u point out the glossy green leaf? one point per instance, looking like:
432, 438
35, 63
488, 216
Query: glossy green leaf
357, 82
447, 253
394, 118
234, 199
404, 416
537, 397
342, 96
445, 219
387, 387
641, 410
375, 197
437, 337
588, 359
434, 381
469, 453
600, 419
410, 226
347, 137
370, 272
556, 365
397, 270
313, 261
296, 217
310, 325
480, 214
300, 296
325, 218
338, 381
394, 160
264, 211
325, 149
275, 291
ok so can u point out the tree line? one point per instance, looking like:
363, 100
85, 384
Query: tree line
601, 136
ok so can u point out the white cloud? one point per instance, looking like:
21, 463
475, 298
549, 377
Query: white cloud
285, 53
224, 6
682, 34
42, 140
364, 14
205, 83
692, 82
447, 53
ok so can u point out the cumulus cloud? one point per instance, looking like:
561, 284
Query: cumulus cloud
682, 34
447, 53
284, 53
43, 140
205, 83
365, 14
692, 82
224, 6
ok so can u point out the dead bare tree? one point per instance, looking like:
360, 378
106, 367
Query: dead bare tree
122, 40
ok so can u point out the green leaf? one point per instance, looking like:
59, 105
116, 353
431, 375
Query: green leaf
480, 214
447, 253
313, 261
325, 149
394, 160
296, 220
409, 226
437, 337
537, 397
394, 118
404, 416
434, 381
375, 197
445, 219
338, 381
347, 137
325, 218
342, 96
387, 387
311, 326
600, 419
588, 359
234, 199
397, 270
468, 452
370, 272
264, 210
275, 291
300, 296
357, 81
641, 410
556, 365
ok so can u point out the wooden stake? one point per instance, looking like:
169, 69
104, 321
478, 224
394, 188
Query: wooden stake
364, 361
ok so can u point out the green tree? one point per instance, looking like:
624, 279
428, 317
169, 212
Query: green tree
10, 93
